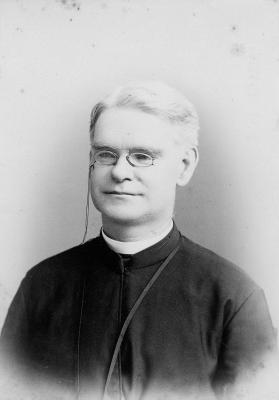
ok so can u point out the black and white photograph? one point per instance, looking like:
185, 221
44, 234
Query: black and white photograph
139, 165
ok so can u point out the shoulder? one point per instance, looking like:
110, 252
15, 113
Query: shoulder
67, 264
219, 287
215, 273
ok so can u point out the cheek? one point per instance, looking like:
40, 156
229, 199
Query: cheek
95, 188
97, 179
162, 184
167, 175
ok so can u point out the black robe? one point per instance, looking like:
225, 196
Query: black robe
200, 327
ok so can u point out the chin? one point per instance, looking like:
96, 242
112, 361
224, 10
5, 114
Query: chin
120, 209
119, 212
125, 216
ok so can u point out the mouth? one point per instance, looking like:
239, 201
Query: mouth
116, 193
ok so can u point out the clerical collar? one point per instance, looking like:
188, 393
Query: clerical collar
139, 245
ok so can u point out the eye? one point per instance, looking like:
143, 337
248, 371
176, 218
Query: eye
105, 157
141, 159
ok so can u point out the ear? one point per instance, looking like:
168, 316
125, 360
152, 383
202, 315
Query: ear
189, 161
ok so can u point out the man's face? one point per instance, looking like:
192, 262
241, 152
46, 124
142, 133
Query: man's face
131, 195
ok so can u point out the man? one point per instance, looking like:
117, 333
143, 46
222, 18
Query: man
139, 312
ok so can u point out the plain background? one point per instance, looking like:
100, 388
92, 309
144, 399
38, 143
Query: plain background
58, 58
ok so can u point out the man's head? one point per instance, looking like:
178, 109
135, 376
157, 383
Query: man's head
143, 143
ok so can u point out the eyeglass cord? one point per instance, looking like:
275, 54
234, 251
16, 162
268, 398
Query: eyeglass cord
87, 205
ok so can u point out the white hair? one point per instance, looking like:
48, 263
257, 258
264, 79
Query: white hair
153, 97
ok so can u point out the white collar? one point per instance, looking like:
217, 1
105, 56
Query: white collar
136, 246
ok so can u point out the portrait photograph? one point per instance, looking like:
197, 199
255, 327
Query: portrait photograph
139, 199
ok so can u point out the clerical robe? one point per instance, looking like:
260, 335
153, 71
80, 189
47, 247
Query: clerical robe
202, 325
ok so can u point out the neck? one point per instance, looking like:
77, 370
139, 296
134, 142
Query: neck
130, 233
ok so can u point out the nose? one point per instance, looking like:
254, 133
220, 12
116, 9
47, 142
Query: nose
122, 170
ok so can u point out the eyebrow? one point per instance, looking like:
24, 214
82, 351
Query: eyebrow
140, 149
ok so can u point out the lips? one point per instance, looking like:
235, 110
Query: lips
122, 193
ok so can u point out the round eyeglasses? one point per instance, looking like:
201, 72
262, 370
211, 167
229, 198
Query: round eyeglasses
106, 157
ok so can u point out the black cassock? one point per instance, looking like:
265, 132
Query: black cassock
202, 325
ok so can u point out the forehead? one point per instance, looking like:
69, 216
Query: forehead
124, 128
